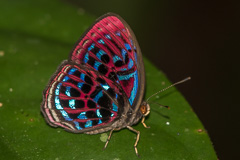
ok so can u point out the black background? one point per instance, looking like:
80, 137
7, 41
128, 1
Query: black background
191, 38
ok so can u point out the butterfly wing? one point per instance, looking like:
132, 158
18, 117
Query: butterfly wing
102, 80
80, 99
110, 48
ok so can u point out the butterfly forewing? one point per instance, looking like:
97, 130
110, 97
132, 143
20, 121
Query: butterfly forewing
110, 48
79, 99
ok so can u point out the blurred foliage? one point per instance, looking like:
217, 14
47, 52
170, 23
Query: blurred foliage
35, 36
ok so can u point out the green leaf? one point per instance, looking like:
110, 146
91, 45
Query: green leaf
35, 37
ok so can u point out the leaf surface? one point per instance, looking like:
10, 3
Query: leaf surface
35, 37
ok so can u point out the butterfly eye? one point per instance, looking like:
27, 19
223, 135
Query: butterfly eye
143, 109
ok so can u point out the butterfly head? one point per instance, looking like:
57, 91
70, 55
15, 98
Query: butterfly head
145, 109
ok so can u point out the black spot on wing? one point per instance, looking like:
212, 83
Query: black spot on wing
95, 122
111, 92
82, 124
119, 63
91, 114
105, 58
126, 59
91, 104
105, 113
77, 74
91, 61
86, 88
105, 102
64, 103
79, 104
103, 69
88, 80
74, 92
73, 115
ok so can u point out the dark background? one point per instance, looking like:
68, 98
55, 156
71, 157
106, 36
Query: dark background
191, 38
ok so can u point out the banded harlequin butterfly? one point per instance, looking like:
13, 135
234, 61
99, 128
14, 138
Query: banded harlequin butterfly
101, 86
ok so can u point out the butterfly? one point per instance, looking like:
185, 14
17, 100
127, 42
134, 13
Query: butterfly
101, 86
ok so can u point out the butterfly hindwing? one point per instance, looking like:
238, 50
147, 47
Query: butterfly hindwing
80, 99
110, 48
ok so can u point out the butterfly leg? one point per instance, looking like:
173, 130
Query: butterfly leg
109, 137
144, 124
138, 136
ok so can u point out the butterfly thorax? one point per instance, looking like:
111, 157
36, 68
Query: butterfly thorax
133, 117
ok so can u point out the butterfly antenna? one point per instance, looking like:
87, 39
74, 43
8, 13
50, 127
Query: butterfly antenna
184, 80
